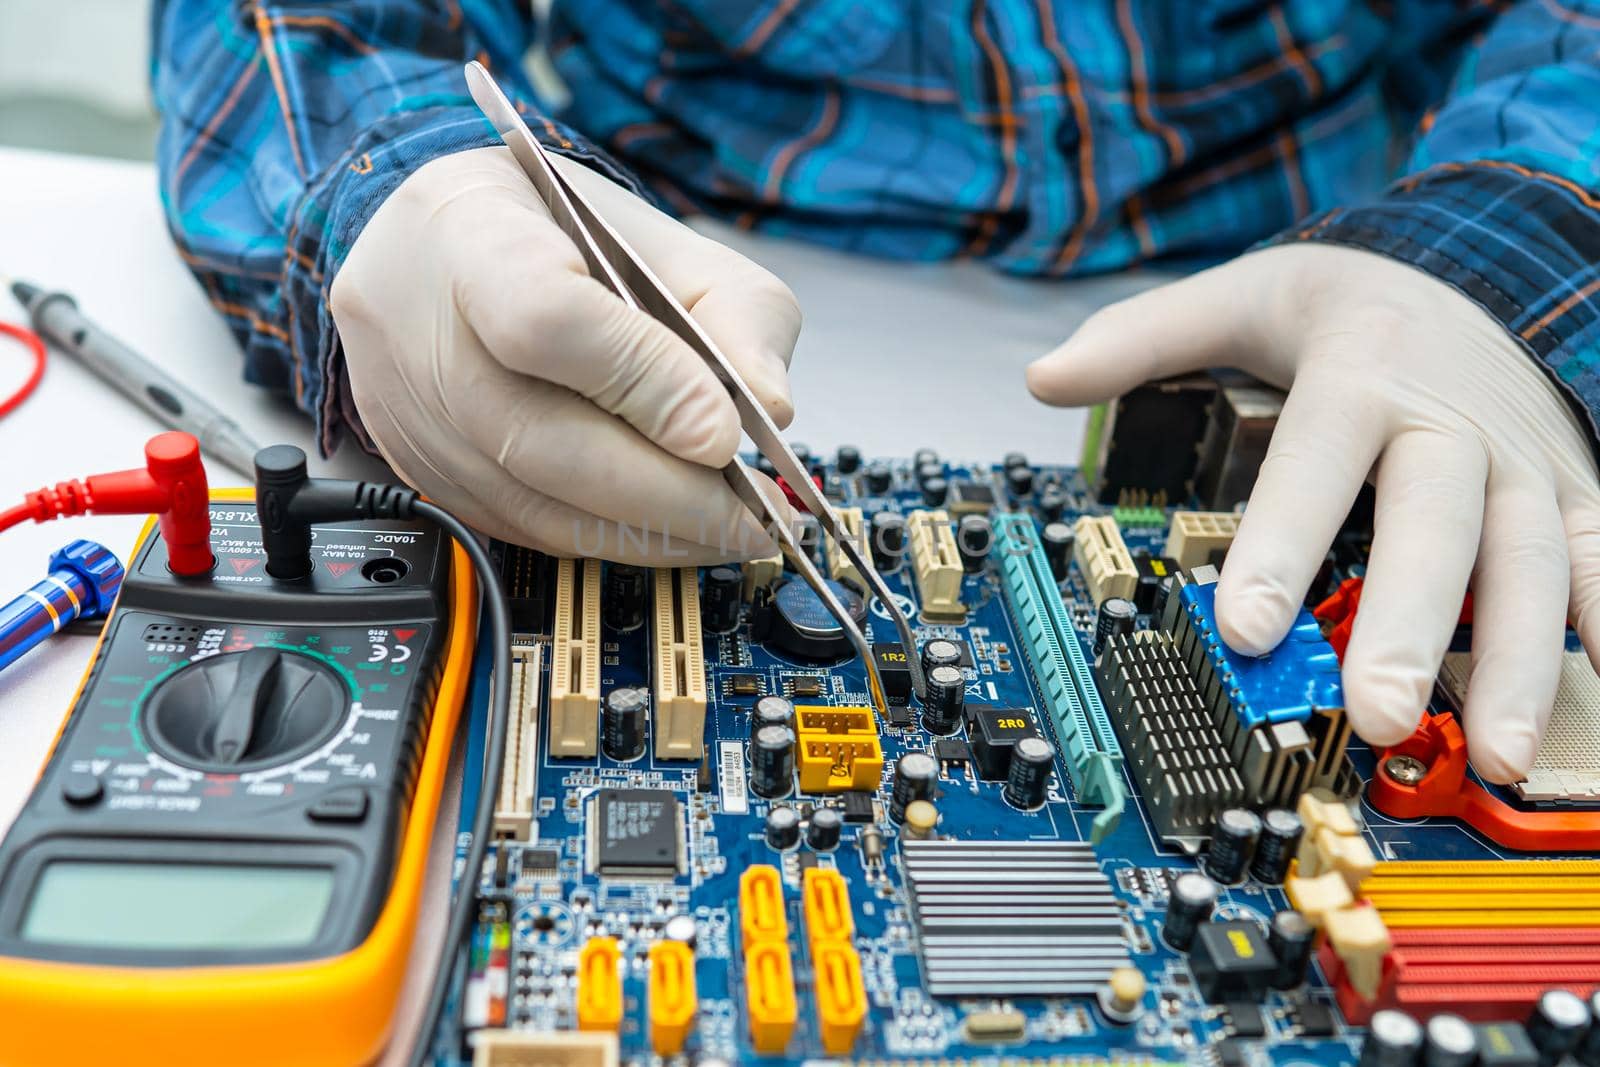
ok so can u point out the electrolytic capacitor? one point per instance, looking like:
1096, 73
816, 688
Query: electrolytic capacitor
1052, 502
823, 833
879, 477
1589, 1049
772, 761
1189, 904
1028, 781
921, 818
1019, 482
947, 695
1233, 843
926, 472
721, 594
847, 459
802, 453
934, 490
1281, 830
915, 775
1115, 618
1394, 1039
974, 536
771, 711
1057, 539
888, 540
783, 828
622, 596
1163, 591
623, 722
922, 456
940, 652
1292, 938
808, 533
1557, 1024
1449, 1041
1013, 459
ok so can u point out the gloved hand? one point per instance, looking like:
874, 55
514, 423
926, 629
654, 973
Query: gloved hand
499, 379
1480, 469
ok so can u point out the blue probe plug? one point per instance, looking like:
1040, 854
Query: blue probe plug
83, 581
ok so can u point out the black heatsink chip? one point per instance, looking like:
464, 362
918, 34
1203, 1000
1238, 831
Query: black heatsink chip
635, 831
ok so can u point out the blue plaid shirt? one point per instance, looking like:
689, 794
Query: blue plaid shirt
1055, 137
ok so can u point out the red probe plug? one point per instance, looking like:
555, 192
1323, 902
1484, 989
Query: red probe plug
171, 485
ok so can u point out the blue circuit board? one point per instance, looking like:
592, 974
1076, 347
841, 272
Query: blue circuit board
542, 914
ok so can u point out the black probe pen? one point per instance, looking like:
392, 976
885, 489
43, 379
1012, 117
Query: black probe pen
57, 319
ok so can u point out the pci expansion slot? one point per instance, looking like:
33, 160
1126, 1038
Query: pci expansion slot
575, 660
679, 665
1094, 758
519, 782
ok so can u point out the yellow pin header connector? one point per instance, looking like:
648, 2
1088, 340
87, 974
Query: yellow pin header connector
769, 996
600, 984
839, 749
761, 917
827, 907
841, 995
672, 996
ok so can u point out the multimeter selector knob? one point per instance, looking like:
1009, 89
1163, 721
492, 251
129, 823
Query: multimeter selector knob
242, 710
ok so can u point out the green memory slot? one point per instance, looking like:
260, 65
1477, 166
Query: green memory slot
1094, 758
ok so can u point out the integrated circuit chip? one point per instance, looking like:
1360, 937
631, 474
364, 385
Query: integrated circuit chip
635, 832
744, 685
806, 685
970, 498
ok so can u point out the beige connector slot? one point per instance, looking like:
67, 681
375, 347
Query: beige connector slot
513, 808
544, 1048
575, 660
1194, 535
1102, 557
840, 569
761, 573
937, 564
680, 665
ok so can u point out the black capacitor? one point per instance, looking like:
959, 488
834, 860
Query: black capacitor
1057, 539
623, 719
1557, 1024
823, 833
1190, 903
1292, 938
1028, 781
771, 711
783, 828
1394, 1039
721, 594
1159, 608
1449, 1041
847, 459
802, 453
1281, 830
934, 490
924, 455
1115, 618
926, 472
1014, 459
940, 652
1052, 502
772, 761
1019, 481
915, 775
947, 694
879, 478
1233, 842
974, 535
1589, 1050
888, 540
622, 596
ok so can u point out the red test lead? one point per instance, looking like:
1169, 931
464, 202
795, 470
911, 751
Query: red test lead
171, 485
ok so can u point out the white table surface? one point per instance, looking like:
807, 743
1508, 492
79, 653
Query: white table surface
893, 357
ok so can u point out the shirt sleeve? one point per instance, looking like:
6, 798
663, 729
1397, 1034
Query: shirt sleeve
1501, 192
285, 125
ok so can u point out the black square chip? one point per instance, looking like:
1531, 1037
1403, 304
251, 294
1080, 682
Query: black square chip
1315, 1019
635, 831
951, 750
806, 685
894, 670
993, 733
858, 807
744, 685
969, 498
1245, 1019
1231, 961
899, 716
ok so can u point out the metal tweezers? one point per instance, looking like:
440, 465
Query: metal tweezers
620, 269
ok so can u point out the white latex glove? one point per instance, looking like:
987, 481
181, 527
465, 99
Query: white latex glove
1480, 469
501, 380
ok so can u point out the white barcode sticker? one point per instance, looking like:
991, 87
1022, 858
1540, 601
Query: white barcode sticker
731, 778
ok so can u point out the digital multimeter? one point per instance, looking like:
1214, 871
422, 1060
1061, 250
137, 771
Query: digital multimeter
223, 856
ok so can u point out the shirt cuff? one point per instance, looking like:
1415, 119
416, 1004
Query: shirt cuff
1522, 245
335, 209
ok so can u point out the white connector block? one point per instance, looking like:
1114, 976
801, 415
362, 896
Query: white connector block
840, 569
513, 808
1102, 557
937, 564
679, 665
1194, 535
575, 660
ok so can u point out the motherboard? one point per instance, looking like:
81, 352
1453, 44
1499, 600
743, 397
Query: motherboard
1099, 836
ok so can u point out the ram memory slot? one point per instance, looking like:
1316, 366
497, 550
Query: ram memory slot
1094, 759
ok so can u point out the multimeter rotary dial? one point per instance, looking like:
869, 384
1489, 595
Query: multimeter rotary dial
241, 711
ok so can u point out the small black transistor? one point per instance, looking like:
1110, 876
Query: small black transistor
1231, 961
1245, 1019
858, 807
1315, 1019
899, 716
894, 670
951, 750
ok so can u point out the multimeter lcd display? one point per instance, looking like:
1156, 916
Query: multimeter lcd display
165, 906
